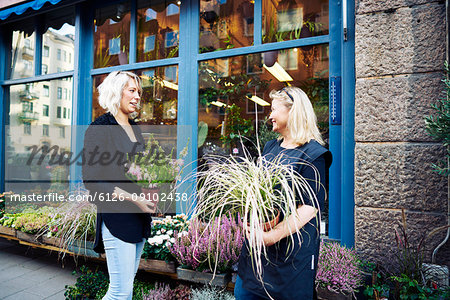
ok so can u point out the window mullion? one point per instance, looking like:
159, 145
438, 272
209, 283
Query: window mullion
39, 29
133, 31
257, 22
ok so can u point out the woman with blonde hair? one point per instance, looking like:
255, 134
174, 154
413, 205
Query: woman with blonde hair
123, 217
289, 268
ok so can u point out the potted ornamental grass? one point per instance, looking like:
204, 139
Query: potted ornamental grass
257, 189
338, 272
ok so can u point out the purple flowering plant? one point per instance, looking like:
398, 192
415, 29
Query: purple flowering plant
338, 268
210, 248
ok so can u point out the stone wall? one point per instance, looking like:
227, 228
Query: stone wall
400, 53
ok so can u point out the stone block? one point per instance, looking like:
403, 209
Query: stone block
408, 40
370, 6
375, 235
399, 175
393, 109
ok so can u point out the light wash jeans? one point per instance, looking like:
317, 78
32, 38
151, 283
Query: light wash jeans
122, 259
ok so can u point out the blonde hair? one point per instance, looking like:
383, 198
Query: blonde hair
111, 89
302, 120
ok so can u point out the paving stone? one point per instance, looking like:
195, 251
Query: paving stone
47, 288
13, 272
57, 296
23, 296
17, 285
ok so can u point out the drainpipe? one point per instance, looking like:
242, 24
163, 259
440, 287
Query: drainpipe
433, 257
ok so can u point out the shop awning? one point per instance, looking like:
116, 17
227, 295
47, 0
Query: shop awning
21, 8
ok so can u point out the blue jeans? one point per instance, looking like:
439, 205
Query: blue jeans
122, 259
242, 294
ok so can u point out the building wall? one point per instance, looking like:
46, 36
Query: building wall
400, 53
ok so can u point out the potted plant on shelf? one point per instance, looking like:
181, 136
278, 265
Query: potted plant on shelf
156, 255
338, 272
206, 254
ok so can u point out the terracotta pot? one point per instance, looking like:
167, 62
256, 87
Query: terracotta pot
151, 194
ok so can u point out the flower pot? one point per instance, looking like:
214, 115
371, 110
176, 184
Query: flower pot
7, 230
157, 265
151, 193
326, 294
27, 237
202, 277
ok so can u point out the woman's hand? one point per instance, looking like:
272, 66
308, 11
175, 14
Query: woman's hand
268, 237
147, 206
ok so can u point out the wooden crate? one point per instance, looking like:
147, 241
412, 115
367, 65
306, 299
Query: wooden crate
27, 237
83, 248
7, 230
201, 277
54, 241
157, 265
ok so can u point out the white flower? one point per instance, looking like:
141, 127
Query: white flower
163, 230
172, 240
165, 237
170, 232
158, 232
158, 240
183, 233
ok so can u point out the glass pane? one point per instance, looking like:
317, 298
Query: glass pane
58, 42
159, 99
112, 35
35, 119
225, 24
22, 55
158, 28
233, 90
293, 19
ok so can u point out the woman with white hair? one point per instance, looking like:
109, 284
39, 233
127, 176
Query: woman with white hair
289, 268
123, 217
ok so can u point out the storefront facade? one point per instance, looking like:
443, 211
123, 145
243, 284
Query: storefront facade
204, 64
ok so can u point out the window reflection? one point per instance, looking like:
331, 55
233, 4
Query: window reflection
34, 121
159, 99
225, 24
158, 30
293, 19
233, 91
112, 35
22, 55
58, 41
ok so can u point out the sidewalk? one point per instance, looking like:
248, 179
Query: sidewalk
29, 274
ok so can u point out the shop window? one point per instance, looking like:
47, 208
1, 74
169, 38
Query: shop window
21, 58
225, 24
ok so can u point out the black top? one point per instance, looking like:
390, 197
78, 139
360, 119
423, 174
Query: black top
104, 157
291, 277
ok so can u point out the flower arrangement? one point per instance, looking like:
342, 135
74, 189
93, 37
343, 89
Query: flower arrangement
338, 268
154, 166
163, 235
209, 248
29, 221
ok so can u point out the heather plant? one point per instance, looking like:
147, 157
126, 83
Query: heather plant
163, 291
213, 248
208, 293
338, 269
